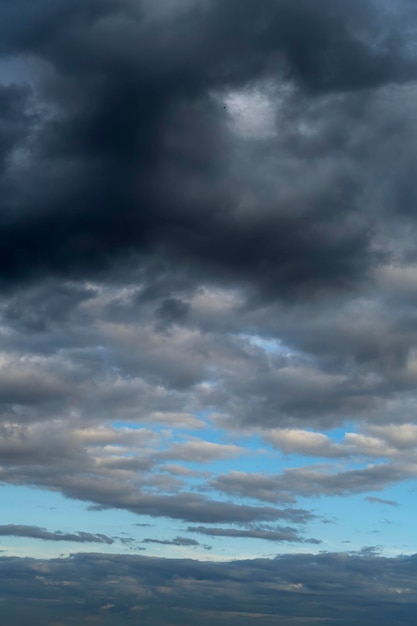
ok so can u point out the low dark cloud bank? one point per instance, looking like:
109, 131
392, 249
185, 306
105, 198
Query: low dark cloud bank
300, 589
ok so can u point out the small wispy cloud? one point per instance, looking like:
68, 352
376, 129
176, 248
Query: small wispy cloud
375, 500
35, 532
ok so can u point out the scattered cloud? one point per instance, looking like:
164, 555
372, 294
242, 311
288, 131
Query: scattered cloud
34, 532
275, 534
313, 481
375, 500
178, 541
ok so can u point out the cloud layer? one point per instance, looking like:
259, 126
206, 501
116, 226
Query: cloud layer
302, 589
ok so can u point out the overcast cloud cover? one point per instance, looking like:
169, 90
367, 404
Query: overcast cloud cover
208, 290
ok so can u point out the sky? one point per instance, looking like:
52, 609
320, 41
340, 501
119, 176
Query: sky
208, 312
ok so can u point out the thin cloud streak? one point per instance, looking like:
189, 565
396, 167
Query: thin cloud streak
34, 532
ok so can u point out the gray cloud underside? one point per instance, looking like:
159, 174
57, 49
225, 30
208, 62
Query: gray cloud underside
74, 463
313, 481
335, 588
34, 532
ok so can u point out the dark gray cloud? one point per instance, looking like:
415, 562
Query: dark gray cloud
138, 153
339, 589
34, 532
45, 306
15, 119
132, 153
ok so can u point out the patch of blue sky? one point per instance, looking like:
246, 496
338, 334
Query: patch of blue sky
221, 547
32, 506
126, 528
267, 344
359, 522
38, 549
273, 346
208, 432
337, 434
257, 456
18, 504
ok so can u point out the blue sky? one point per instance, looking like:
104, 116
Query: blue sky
208, 301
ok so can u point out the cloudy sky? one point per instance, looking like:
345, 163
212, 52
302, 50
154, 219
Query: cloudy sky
208, 308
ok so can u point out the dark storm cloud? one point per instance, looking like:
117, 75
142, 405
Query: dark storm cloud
129, 152
172, 310
15, 119
34, 532
44, 307
337, 589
